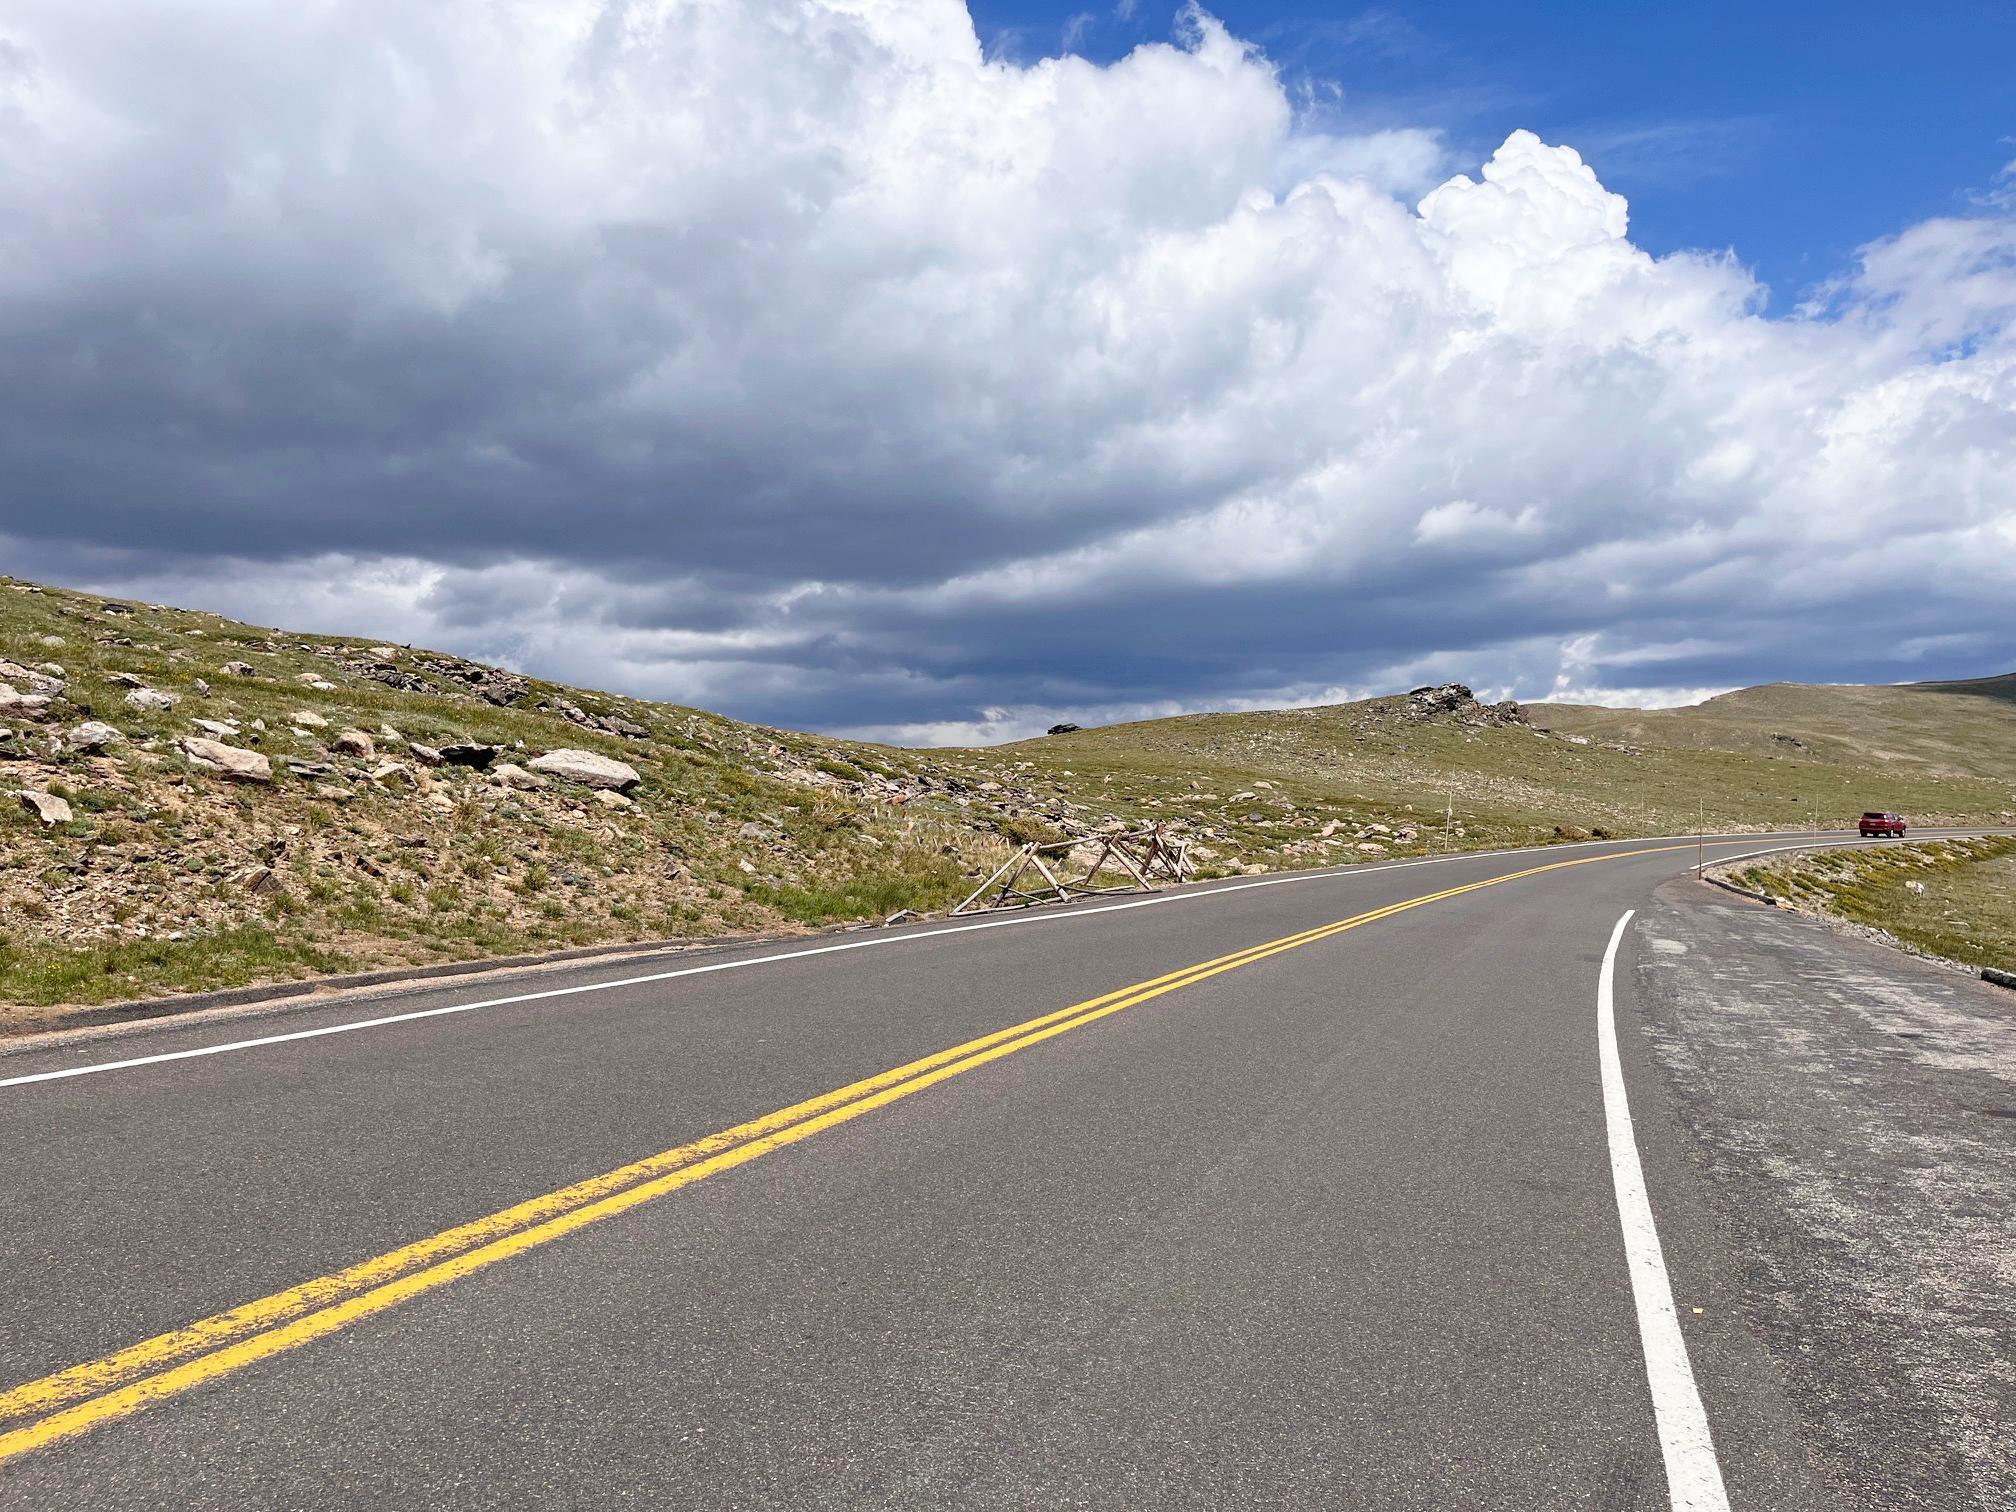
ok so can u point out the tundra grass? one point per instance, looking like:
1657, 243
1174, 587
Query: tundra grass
1951, 898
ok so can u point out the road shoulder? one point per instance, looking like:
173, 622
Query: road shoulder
1850, 1114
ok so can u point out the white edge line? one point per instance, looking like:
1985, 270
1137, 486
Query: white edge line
1189, 895
1693, 1477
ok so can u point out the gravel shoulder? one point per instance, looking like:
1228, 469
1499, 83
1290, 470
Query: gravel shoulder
1853, 1117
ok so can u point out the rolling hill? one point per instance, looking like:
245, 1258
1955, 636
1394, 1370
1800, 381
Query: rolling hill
204, 802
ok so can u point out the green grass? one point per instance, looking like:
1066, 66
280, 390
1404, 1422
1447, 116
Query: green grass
46, 972
1964, 906
928, 882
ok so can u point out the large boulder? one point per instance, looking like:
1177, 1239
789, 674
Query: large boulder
92, 736
18, 705
469, 753
230, 761
45, 806
587, 768
30, 679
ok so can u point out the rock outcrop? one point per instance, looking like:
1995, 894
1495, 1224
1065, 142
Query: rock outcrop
230, 761
588, 768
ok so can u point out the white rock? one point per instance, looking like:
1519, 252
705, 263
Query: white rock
587, 768
218, 727
23, 705
32, 679
510, 774
94, 735
45, 806
227, 760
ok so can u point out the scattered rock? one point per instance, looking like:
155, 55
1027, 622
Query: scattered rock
510, 774
587, 768
302, 768
45, 806
230, 761
354, 743
152, 698
93, 735
32, 679
218, 727
310, 719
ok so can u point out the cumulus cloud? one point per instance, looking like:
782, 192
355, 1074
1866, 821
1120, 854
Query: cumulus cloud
799, 358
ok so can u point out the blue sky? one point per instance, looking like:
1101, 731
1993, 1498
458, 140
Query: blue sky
867, 366
1793, 133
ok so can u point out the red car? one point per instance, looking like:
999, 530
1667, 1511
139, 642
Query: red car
1881, 824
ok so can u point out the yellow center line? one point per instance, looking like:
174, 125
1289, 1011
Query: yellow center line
132, 1378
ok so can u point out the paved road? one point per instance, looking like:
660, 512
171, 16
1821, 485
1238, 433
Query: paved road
1333, 1224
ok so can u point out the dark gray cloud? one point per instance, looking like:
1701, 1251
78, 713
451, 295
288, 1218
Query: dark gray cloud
799, 361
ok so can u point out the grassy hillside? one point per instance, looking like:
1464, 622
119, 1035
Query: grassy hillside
135, 865
1914, 733
1955, 899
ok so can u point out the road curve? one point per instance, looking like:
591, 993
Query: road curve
1295, 1194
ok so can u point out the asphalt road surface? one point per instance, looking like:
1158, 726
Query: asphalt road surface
1431, 1184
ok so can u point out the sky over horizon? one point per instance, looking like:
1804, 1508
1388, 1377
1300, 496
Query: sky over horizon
857, 366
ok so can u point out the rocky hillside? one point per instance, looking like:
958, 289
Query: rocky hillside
190, 802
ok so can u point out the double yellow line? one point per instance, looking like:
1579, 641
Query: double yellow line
79, 1398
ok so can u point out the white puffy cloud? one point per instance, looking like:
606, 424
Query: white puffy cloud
796, 357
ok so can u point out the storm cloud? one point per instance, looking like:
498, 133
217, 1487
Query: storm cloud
796, 358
